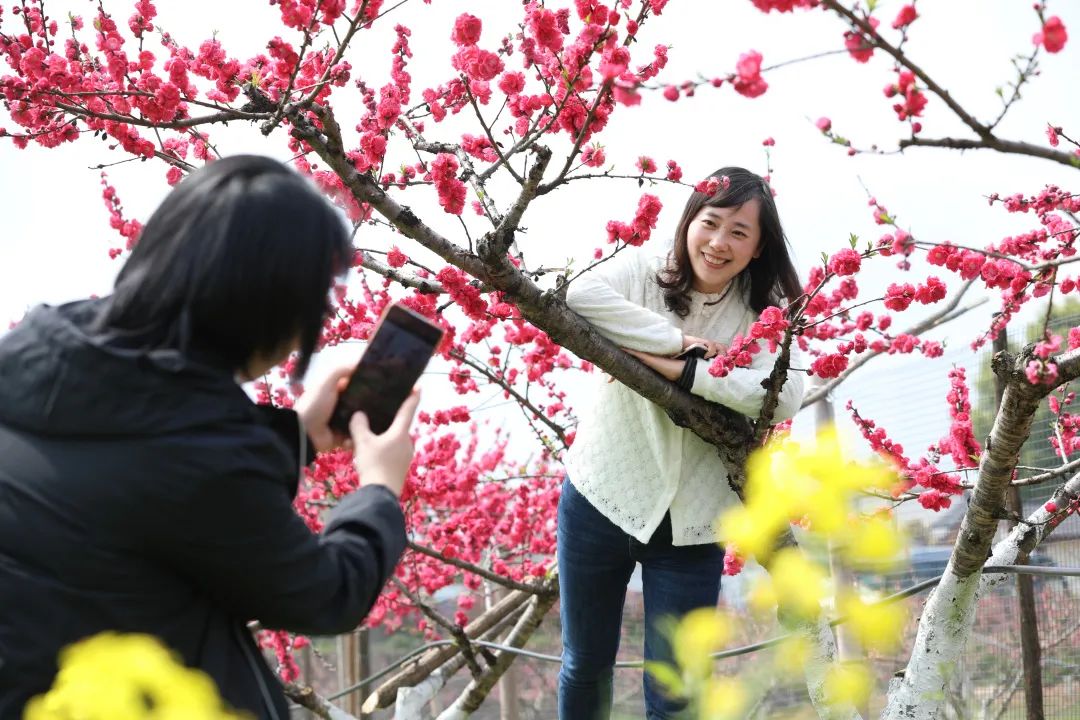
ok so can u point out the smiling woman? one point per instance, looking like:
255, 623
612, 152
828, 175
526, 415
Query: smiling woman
721, 242
640, 489
734, 225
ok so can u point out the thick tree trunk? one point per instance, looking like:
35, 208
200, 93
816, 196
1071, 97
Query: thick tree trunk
949, 612
821, 660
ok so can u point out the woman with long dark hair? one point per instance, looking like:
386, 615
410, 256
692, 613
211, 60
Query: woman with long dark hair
142, 491
639, 489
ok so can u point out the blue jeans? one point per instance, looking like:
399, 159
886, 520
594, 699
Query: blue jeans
596, 560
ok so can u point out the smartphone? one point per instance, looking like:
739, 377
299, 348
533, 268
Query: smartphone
398, 352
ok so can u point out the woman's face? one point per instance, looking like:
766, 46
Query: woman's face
721, 242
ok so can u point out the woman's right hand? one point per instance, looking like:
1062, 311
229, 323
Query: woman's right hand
712, 348
384, 459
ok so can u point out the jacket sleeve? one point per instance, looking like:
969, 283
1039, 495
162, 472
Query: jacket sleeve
741, 389
602, 294
250, 551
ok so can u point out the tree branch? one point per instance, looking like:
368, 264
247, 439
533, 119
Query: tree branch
994, 143
1065, 469
455, 630
473, 695
471, 175
773, 385
426, 286
520, 399
942, 316
418, 669
224, 116
306, 697
1011, 428
493, 247
866, 29
476, 570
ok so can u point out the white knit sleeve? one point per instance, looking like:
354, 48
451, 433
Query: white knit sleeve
602, 296
741, 389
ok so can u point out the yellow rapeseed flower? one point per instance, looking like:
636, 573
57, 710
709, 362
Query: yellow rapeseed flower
873, 543
794, 582
723, 699
848, 683
786, 481
753, 532
667, 676
698, 635
126, 677
792, 655
878, 627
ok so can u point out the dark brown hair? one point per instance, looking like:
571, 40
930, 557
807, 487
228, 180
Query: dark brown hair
769, 279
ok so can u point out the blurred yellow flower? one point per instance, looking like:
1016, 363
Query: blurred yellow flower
795, 583
699, 634
786, 481
748, 530
873, 543
667, 677
848, 683
792, 655
878, 627
723, 698
126, 677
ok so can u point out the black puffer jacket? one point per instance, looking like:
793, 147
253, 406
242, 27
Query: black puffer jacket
144, 492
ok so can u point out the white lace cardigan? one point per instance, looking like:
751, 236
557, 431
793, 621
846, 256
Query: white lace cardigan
628, 459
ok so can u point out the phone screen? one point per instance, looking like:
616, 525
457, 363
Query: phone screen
394, 360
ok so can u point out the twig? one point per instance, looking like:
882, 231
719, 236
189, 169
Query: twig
942, 316
409, 280
994, 143
1065, 469
224, 116
476, 570
455, 630
518, 397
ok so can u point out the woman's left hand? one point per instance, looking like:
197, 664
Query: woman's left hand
316, 405
668, 367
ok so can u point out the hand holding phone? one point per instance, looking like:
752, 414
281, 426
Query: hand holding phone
396, 356
385, 459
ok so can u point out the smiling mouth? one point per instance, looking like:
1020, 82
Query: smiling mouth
713, 262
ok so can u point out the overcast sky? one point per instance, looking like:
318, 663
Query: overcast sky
55, 236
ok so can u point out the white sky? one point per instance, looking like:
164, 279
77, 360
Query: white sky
55, 232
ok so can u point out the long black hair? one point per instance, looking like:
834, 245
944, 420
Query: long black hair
237, 261
769, 279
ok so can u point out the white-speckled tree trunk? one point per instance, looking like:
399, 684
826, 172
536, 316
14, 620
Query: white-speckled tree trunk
949, 613
822, 658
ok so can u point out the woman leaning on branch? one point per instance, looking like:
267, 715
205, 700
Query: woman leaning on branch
639, 489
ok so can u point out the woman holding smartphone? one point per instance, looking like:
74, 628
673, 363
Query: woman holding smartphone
142, 491
639, 489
